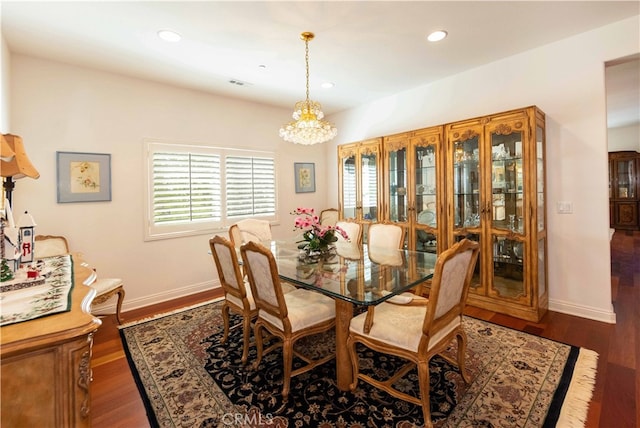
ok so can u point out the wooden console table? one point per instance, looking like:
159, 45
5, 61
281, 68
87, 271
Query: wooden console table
46, 365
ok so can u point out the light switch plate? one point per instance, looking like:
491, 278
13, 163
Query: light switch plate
565, 207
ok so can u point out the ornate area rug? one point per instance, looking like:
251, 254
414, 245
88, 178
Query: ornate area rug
187, 378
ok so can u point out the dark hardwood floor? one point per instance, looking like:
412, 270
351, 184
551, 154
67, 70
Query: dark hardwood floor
117, 403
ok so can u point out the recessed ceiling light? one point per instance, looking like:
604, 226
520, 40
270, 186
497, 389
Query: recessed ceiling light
327, 85
169, 36
436, 36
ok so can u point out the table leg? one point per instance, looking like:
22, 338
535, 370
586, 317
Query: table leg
344, 370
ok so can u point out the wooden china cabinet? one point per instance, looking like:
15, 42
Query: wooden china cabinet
481, 178
359, 180
624, 190
413, 187
495, 169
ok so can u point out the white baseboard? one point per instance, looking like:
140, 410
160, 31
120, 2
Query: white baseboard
583, 311
109, 307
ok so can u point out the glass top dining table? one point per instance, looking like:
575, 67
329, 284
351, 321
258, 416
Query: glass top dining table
355, 276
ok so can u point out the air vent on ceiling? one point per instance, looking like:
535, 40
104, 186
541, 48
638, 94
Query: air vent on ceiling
239, 82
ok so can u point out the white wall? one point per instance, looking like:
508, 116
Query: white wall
566, 80
56, 107
5, 61
624, 138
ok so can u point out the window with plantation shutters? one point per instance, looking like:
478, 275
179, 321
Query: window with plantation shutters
186, 187
198, 189
250, 186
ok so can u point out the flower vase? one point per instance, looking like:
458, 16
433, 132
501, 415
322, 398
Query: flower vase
317, 255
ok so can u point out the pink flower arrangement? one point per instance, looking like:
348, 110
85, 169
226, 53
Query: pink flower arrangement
315, 236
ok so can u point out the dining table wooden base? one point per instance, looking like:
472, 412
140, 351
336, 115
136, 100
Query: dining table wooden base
344, 369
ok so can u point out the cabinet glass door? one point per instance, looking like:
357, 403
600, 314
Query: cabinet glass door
507, 212
540, 177
507, 184
626, 172
508, 273
349, 187
466, 183
369, 186
425, 197
398, 198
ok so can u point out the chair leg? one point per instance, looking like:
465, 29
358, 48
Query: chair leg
351, 346
257, 333
246, 334
423, 381
225, 319
119, 305
461, 337
287, 361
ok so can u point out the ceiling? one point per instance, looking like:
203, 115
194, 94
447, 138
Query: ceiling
368, 49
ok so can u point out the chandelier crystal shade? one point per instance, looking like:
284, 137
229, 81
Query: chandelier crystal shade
308, 127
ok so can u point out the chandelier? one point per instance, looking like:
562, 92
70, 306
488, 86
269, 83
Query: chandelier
308, 127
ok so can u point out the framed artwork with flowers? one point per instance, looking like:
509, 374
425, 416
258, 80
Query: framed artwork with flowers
305, 174
83, 177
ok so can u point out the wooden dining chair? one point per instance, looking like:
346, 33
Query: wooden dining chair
329, 217
106, 288
250, 229
418, 330
289, 316
385, 235
237, 293
353, 229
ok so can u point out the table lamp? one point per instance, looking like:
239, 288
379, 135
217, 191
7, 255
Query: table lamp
19, 166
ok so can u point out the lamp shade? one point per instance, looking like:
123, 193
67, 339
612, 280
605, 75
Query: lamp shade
20, 166
6, 152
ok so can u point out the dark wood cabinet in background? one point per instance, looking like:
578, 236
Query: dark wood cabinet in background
624, 190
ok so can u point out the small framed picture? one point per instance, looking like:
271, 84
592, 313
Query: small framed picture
83, 177
305, 176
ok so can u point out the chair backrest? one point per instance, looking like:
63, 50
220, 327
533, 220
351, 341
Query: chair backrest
385, 235
253, 229
353, 229
449, 287
226, 260
235, 236
49, 246
329, 217
262, 272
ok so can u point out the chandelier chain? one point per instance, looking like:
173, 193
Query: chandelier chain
306, 60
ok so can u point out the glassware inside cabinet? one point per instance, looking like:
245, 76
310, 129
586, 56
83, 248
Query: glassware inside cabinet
398, 198
626, 174
466, 184
508, 256
369, 180
426, 241
507, 183
426, 182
